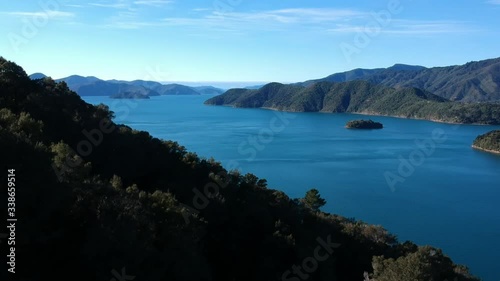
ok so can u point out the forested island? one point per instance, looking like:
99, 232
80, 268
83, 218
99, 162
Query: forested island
489, 142
360, 97
364, 124
98, 199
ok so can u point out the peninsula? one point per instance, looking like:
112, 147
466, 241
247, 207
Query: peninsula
489, 142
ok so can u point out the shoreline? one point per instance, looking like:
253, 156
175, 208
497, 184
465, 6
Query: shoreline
414, 118
362, 113
486, 150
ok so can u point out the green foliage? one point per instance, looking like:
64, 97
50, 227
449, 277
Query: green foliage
363, 124
22, 125
313, 200
68, 165
116, 182
361, 97
472, 82
426, 264
489, 141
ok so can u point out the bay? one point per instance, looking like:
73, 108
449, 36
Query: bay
446, 194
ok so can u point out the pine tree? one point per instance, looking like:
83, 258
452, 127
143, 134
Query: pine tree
313, 199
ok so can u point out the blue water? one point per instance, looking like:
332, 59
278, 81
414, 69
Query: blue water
446, 196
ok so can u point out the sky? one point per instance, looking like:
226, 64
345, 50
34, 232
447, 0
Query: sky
242, 40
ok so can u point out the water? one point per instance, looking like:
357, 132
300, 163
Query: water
446, 197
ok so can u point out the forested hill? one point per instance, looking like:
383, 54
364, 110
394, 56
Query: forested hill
477, 81
360, 97
97, 200
363, 74
489, 142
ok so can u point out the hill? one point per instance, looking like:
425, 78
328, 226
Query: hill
488, 142
129, 95
168, 89
362, 74
176, 89
100, 200
93, 86
360, 97
37, 75
104, 88
208, 90
76, 80
477, 81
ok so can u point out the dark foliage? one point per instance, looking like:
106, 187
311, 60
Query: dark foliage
477, 81
364, 124
360, 97
149, 207
489, 141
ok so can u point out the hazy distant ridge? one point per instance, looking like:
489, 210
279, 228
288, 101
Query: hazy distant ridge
93, 86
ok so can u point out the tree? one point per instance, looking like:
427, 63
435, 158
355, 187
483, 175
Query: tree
116, 182
313, 199
426, 264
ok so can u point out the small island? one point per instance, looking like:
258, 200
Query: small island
363, 124
489, 142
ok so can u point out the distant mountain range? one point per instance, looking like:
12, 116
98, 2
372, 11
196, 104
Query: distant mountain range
93, 86
472, 82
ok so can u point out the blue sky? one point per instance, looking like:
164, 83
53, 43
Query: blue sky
243, 40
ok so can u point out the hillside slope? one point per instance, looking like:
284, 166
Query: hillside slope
103, 88
97, 199
488, 142
362, 74
360, 97
477, 81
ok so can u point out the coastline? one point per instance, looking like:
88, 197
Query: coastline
415, 118
364, 114
486, 150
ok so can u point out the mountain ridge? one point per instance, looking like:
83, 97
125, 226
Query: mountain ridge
361, 73
360, 97
93, 86
475, 81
